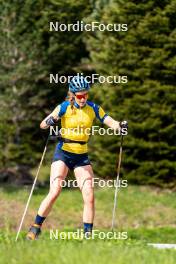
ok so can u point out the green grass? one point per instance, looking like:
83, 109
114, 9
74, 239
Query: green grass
76, 251
146, 214
137, 207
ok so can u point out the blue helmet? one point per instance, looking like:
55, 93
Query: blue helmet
78, 84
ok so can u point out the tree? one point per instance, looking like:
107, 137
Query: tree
29, 53
146, 53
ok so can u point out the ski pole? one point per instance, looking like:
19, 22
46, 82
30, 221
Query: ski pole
117, 181
33, 186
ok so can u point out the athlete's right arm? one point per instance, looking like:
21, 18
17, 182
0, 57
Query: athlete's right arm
55, 117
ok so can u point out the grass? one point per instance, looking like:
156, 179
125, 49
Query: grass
75, 251
146, 214
137, 207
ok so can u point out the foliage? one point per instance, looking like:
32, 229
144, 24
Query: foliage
147, 54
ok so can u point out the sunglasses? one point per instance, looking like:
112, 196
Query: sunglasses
80, 96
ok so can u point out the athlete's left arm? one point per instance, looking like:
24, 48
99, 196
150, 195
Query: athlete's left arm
110, 122
106, 119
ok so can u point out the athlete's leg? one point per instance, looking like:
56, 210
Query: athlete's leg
84, 177
58, 173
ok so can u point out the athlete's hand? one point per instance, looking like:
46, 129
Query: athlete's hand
51, 121
124, 124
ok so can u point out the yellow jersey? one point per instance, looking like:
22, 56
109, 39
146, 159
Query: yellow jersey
76, 124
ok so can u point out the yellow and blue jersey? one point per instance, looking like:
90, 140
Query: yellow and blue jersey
75, 124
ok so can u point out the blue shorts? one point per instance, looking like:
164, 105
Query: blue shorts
72, 160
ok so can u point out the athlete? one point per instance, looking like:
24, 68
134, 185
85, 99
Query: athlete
77, 115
